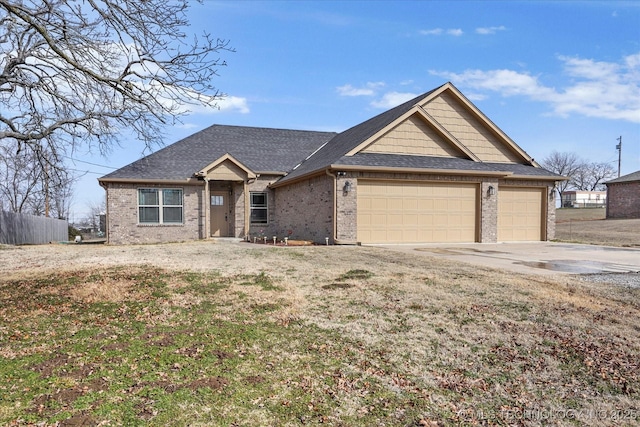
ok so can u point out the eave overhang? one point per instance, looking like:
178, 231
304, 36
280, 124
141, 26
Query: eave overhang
203, 173
186, 181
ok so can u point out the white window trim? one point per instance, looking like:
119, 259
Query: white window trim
160, 206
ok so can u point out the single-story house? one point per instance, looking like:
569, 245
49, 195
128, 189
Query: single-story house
623, 196
434, 169
584, 199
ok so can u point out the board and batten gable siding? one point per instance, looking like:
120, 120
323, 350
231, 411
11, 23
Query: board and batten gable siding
122, 216
226, 171
463, 125
415, 137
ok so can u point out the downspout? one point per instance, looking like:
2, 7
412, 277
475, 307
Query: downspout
335, 206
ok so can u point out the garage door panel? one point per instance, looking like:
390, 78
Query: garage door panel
412, 212
520, 212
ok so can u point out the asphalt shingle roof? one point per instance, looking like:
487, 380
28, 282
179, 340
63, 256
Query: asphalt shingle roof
440, 163
351, 138
290, 151
633, 176
260, 149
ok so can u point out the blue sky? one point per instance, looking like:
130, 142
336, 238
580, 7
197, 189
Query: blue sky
553, 75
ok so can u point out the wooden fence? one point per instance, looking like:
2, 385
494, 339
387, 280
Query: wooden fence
22, 229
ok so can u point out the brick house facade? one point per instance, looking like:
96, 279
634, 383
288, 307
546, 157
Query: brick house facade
433, 169
623, 196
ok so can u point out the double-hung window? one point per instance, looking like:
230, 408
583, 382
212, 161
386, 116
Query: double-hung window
259, 208
160, 206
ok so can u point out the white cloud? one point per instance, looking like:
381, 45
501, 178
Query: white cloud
234, 104
368, 90
431, 32
599, 89
439, 31
227, 104
393, 99
490, 30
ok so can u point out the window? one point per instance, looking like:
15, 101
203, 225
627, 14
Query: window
160, 206
217, 200
259, 208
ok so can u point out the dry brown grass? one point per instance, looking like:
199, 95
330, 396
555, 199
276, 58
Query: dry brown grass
590, 226
464, 339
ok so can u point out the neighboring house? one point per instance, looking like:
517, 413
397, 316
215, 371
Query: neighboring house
584, 199
623, 196
434, 169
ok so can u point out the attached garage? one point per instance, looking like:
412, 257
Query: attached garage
416, 212
520, 214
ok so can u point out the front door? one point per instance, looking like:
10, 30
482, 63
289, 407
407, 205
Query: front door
219, 214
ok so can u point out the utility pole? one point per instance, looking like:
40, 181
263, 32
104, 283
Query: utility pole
619, 148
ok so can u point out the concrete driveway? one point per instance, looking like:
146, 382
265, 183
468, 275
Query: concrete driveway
545, 258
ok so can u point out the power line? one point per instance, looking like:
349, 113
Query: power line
78, 170
89, 163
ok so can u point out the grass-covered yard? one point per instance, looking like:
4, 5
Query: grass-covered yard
309, 336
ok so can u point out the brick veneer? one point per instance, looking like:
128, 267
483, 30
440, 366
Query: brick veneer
306, 209
122, 216
623, 200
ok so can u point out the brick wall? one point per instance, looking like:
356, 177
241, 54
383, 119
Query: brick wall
488, 212
257, 230
122, 216
623, 200
306, 209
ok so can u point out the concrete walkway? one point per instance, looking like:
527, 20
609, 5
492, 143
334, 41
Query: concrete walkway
546, 258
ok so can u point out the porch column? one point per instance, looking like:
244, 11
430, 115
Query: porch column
207, 203
247, 209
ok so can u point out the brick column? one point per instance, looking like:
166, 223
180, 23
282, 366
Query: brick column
489, 212
346, 210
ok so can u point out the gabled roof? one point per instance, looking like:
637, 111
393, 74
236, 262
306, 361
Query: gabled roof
633, 176
227, 157
262, 150
344, 142
296, 154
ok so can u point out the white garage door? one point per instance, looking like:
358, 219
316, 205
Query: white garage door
520, 214
416, 212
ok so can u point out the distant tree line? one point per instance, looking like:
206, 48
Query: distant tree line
582, 174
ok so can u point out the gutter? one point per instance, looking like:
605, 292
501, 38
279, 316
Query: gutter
150, 181
422, 171
539, 177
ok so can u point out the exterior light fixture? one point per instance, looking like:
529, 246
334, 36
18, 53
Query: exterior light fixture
347, 187
491, 191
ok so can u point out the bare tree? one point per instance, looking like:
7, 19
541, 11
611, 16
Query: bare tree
20, 178
28, 185
92, 219
565, 164
77, 73
591, 176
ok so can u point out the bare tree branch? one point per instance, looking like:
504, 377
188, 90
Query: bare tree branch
79, 73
